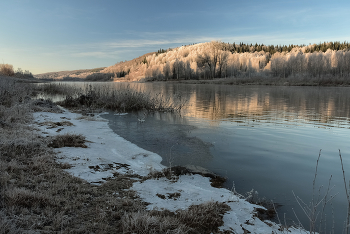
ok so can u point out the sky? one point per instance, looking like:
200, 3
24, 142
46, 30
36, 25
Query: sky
47, 35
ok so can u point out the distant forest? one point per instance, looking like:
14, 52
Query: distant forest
323, 47
217, 59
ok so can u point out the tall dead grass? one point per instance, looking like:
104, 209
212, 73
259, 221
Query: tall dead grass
57, 88
68, 140
6, 70
123, 99
203, 218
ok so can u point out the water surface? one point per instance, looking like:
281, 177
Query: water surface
260, 137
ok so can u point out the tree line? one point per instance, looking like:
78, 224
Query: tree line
219, 60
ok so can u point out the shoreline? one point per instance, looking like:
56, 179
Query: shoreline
264, 81
108, 155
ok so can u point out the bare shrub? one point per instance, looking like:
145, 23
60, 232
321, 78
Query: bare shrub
6, 70
68, 140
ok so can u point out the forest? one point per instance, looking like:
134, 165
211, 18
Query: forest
217, 59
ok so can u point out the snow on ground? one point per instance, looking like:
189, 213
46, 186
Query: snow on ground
108, 153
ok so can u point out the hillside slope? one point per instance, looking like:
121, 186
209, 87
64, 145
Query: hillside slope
218, 60
83, 73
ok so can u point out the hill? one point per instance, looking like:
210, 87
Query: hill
219, 60
80, 74
325, 63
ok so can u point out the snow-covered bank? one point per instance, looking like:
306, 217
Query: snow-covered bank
108, 153
107, 150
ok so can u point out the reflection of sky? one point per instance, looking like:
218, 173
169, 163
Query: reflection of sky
261, 137
278, 158
268, 138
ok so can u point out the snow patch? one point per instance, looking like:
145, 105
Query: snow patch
108, 153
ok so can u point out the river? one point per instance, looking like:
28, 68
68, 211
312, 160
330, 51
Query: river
266, 138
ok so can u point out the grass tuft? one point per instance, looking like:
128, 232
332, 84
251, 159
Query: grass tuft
26, 198
144, 222
173, 173
68, 140
203, 218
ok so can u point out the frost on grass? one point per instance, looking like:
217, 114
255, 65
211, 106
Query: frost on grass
68, 140
203, 218
51, 124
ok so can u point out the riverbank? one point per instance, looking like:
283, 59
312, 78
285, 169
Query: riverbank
68, 172
107, 156
328, 81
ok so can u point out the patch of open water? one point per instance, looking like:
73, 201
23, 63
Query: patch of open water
259, 137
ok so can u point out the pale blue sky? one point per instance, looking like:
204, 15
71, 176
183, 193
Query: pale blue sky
47, 35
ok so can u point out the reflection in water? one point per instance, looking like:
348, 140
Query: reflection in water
268, 138
262, 137
322, 106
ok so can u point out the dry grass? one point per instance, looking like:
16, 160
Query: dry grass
45, 105
144, 222
51, 124
124, 99
56, 88
6, 70
203, 218
68, 140
12, 92
38, 196
173, 173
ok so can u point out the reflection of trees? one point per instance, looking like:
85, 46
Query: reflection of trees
318, 105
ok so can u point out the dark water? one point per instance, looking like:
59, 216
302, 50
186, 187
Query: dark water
259, 137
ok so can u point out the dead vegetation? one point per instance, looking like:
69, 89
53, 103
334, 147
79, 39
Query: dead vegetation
68, 140
203, 218
51, 124
38, 196
7, 70
124, 99
173, 173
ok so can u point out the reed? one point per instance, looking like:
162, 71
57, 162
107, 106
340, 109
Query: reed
315, 210
122, 100
56, 88
347, 191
